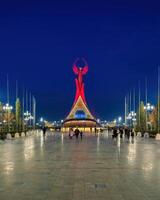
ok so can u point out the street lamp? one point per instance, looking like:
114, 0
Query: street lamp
7, 108
41, 119
28, 117
148, 108
42, 122
119, 119
98, 120
132, 117
115, 121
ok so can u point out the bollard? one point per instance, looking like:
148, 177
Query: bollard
16, 135
22, 134
139, 134
9, 137
158, 136
146, 135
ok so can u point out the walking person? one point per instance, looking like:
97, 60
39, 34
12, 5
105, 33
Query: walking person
128, 134
115, 134
71, 133
44, 131
81, 134
132, 134
121, 133
76, 133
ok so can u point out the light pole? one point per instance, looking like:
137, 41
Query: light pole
132, 118
119, 120
148, 108
27, 117
42, 122
7, 108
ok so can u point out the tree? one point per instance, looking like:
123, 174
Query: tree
154, 117
1, 112
141, 118
18, 115
8, 117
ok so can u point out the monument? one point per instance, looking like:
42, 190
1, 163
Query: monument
80, 116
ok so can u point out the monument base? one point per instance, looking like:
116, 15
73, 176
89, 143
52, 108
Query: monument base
85, 125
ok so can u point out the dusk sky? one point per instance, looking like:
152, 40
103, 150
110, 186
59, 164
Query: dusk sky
40, 41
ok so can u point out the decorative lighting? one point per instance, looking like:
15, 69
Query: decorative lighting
148, 107
41, 119
98, 120
28, 116
7, 107
131, 115
119, 119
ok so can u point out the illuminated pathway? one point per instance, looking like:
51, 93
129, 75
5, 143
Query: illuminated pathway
93, 169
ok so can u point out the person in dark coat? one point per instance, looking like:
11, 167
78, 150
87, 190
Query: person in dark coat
76, 133
121, 133
44, 131
128, 134
115, 134
132, 134
81, 134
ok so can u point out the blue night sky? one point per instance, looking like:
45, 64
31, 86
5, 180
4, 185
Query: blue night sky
39, 42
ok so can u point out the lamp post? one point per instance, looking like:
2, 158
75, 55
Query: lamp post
119, 120
7, 108
27, 117
132, 118
148, 108
115, 122
42, 122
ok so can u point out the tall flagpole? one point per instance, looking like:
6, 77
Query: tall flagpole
146, 98
7, 89
125, 110
26, 101
158, 97
130, 101
16, 89
128, 106
134, 100
23, 111
139, 103
34, 112
7, 103
30, 109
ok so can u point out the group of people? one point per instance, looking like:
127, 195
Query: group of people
127, 132
75, 133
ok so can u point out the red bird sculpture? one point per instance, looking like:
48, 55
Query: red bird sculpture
80, 71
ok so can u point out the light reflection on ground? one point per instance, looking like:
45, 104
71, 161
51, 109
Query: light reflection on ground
56, 167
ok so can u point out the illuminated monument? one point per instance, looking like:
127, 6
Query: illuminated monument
80, 116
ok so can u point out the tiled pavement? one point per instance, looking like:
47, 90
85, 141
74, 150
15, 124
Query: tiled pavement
95, 168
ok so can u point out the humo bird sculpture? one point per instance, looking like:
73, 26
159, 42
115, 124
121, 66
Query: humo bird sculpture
80, 72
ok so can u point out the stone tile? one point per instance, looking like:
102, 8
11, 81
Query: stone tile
96, 168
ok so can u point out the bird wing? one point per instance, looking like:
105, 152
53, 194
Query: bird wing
75, 69
85, 70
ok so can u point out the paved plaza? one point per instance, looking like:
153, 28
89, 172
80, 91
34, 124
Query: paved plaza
96, 168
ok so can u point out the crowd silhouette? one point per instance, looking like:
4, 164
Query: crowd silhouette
123, 133
75, 133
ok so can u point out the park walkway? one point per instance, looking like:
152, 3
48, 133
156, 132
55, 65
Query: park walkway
96, 168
